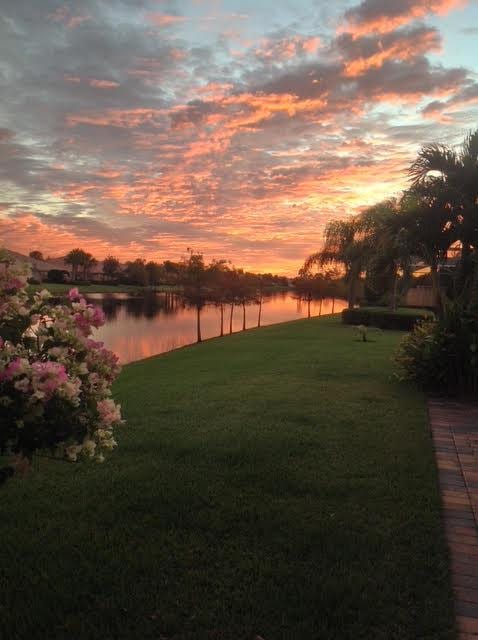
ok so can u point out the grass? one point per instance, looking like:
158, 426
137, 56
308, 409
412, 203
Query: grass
58, 288
276, 482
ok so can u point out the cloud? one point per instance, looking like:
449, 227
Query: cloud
164, 20
126, 135
371, 52
383, 16
64, 16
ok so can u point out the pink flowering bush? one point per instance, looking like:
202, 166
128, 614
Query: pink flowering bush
55, 381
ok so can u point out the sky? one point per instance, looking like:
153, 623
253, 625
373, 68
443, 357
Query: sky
239, 128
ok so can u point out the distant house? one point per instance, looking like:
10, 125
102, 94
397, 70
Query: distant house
40, 268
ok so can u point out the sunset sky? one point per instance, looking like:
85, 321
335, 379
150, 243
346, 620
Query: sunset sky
139, 128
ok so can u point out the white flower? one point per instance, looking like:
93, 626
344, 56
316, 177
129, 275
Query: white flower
72, 452
89, 447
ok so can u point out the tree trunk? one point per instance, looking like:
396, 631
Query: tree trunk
352, 291
222, 319
393, 299
259, 317
436, 293
333, 304
308, 307
198, 316
243, 316
320, 307
230, 318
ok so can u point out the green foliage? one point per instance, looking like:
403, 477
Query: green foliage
383, 318
442, 355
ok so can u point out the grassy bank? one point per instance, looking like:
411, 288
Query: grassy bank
274, 483
59, 289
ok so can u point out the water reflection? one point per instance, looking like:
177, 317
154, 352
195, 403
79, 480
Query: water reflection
141, 326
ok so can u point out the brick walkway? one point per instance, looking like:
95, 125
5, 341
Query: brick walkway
455, 437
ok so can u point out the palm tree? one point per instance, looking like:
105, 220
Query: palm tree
388, 248
344, 245
77, 258
455, 173
111, 267
196, 284
428, 222
88, 263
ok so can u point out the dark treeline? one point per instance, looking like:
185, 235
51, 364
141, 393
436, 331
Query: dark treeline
433, 225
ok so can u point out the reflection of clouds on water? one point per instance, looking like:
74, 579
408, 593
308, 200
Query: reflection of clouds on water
141, 326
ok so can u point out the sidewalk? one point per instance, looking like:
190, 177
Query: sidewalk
454, 429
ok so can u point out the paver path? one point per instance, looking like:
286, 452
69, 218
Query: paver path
455, 437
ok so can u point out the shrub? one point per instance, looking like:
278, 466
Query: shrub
382, 318
442, 355
55, 381
57, 276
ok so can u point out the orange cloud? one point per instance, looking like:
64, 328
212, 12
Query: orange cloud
368, 17
405, 48
103, 84
287, 48
165, 20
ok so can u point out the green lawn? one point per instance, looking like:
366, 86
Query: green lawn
276, 482
96, 288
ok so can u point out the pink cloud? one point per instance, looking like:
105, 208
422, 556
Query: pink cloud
63, 15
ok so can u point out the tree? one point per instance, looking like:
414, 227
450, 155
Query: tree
111, 267
196, 284
346, 246
136, 272
428, 224
454, 172
88, 264
77, 258
389, 250
154, 273
36, 255
311, 286
218, 274
57, 275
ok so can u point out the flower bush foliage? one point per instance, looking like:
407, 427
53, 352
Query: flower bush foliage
55, 381
442, 355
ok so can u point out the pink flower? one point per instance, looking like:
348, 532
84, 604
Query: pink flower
109, 412
74, 294
47, 377
14, 283
16, 367
98, 317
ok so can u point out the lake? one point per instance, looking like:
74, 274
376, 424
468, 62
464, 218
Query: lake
139, 327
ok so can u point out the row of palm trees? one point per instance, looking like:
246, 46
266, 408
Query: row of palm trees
436, 217
220, 284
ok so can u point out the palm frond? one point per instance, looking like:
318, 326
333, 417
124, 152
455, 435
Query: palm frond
433, 158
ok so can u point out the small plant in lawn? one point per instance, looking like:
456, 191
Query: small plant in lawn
363, 332
55, 381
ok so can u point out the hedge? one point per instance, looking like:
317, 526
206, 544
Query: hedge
384, 318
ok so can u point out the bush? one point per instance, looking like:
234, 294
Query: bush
383, 318
55, 381
442, 355
57, 276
